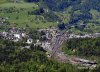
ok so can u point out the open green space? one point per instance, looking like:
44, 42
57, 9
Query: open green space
18, 15
3, 1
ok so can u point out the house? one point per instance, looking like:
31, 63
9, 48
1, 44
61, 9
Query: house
4, 33
29, 41
37, 43
23, 34
18, 36
15, 40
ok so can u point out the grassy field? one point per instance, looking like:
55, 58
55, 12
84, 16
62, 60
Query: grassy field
3, 1
20, 15
19, 5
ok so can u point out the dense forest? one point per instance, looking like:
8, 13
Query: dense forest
83, 47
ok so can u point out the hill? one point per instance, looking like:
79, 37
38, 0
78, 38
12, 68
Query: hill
84, 15
77, 15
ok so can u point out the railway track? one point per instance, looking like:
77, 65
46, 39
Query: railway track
57, 54
59, 41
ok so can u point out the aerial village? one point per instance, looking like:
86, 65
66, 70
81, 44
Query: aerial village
51, 44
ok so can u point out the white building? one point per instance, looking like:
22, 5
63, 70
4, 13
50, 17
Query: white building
37, 43
29, 41
4, 33
18, 36
23, 34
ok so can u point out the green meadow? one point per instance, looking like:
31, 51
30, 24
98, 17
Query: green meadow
18, 15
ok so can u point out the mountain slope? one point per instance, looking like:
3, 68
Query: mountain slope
77, 15
81, 12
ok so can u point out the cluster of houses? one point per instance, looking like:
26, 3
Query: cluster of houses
15, 34
50, 35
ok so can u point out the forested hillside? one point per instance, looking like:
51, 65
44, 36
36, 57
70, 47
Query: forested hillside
87, 47
78, 14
